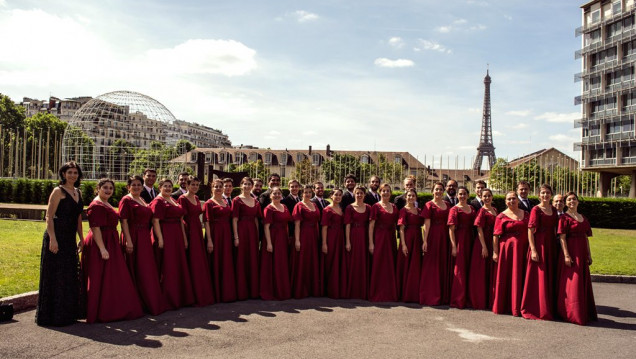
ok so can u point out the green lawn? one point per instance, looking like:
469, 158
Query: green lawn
613, 252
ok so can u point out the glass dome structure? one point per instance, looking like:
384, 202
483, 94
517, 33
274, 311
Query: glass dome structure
107, 135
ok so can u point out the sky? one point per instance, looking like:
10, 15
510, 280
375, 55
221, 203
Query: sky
358, 75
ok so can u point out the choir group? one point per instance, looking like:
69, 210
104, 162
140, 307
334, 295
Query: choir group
173, 251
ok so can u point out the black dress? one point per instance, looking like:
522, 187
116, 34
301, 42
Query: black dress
59, 297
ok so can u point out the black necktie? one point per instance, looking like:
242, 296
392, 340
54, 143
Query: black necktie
227, 200
377, 197
323, 203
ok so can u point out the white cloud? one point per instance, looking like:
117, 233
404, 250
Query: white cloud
204, 56
460, 21
384, 62
558, 117
563, 138
475, 110
304, 16
444, 29
396, 42
3, 3
507, 17
497, 133
477, 27
459, 25
433, 46
520, 113
273, 133
518, 126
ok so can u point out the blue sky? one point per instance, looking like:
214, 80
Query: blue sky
358, 75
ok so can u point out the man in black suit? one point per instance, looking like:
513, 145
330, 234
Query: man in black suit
272, 181
400, 201
228, 186
523, 189
372, 196
292, 198
477, 203
559, 204
183, 179
347, 196
319, 201
149, 192
451, 192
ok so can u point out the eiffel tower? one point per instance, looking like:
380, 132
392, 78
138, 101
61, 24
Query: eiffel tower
485, 148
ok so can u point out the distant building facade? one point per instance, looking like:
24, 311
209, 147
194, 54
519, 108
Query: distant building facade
608, 98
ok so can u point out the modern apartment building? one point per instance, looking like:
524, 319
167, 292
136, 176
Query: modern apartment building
608, 98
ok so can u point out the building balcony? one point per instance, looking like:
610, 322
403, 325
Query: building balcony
619, 136
625, 36
628, 160
603, 162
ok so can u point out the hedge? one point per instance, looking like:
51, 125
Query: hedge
601, 212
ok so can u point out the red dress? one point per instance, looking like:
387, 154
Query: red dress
335, 269
383, 282
173, 265
409, 267
435, 278
110, 293
464, 237
222, 258
275, 284
538, 293
247, 251
575, 298
358, 257
197, 252
141, 262
481, 276
513, 250
305, 268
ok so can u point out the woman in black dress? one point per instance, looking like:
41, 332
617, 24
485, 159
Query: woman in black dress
59, 297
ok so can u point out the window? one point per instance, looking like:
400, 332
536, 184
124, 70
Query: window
315, 158
610, 152
284, 157
364, 159
300, 157
628, 126
222, 157
614, 29
595, 36
616, 7
397, 159
268, 158
238, 157
595, 130
193, 156
596, 16
208, 157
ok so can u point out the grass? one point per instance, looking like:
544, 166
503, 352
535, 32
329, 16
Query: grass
613, 252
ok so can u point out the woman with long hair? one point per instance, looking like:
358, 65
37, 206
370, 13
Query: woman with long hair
334, 273
383, 248
409, 261
136, 222
357, 245
461, 219
274, 280
245, 214
482, 269
59, 288
305, 267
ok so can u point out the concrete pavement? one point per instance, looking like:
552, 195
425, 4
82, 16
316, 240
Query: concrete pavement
321, 328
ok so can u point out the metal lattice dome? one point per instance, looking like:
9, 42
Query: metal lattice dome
105, 134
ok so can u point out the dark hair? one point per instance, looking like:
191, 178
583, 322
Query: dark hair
257, 180
486, 190
308, 187
164, 180
464, 188
247, 179
150, 170
438, 183
524, 183
337, 189
216, 181
227, 179
102, 182
351, 176
546, 186
269, 179
184, 173
361, 188
66, 167
480, 182
318, 183
449, 180
385, 185
274, 189
571, 194
374, 176
134, 178
411, 190
192, 179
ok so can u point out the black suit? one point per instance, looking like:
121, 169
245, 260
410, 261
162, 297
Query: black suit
147, 196
264, 199
476, 204
176, 194
525, 207
347, 199
452, 200
370, 199
320, 203
400, 201
290, 202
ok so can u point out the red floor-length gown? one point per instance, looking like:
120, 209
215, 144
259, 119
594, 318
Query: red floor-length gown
464, 237
538, 293
435, 278
275, 269
513, 250
334, 269
481, 276
174, 274
409, 267
383, 281
141, 262
305, 267
247, 251
110, 293
575, 298
358, 257
222, 258
197, 252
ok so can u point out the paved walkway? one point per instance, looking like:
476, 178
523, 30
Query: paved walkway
324, 328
